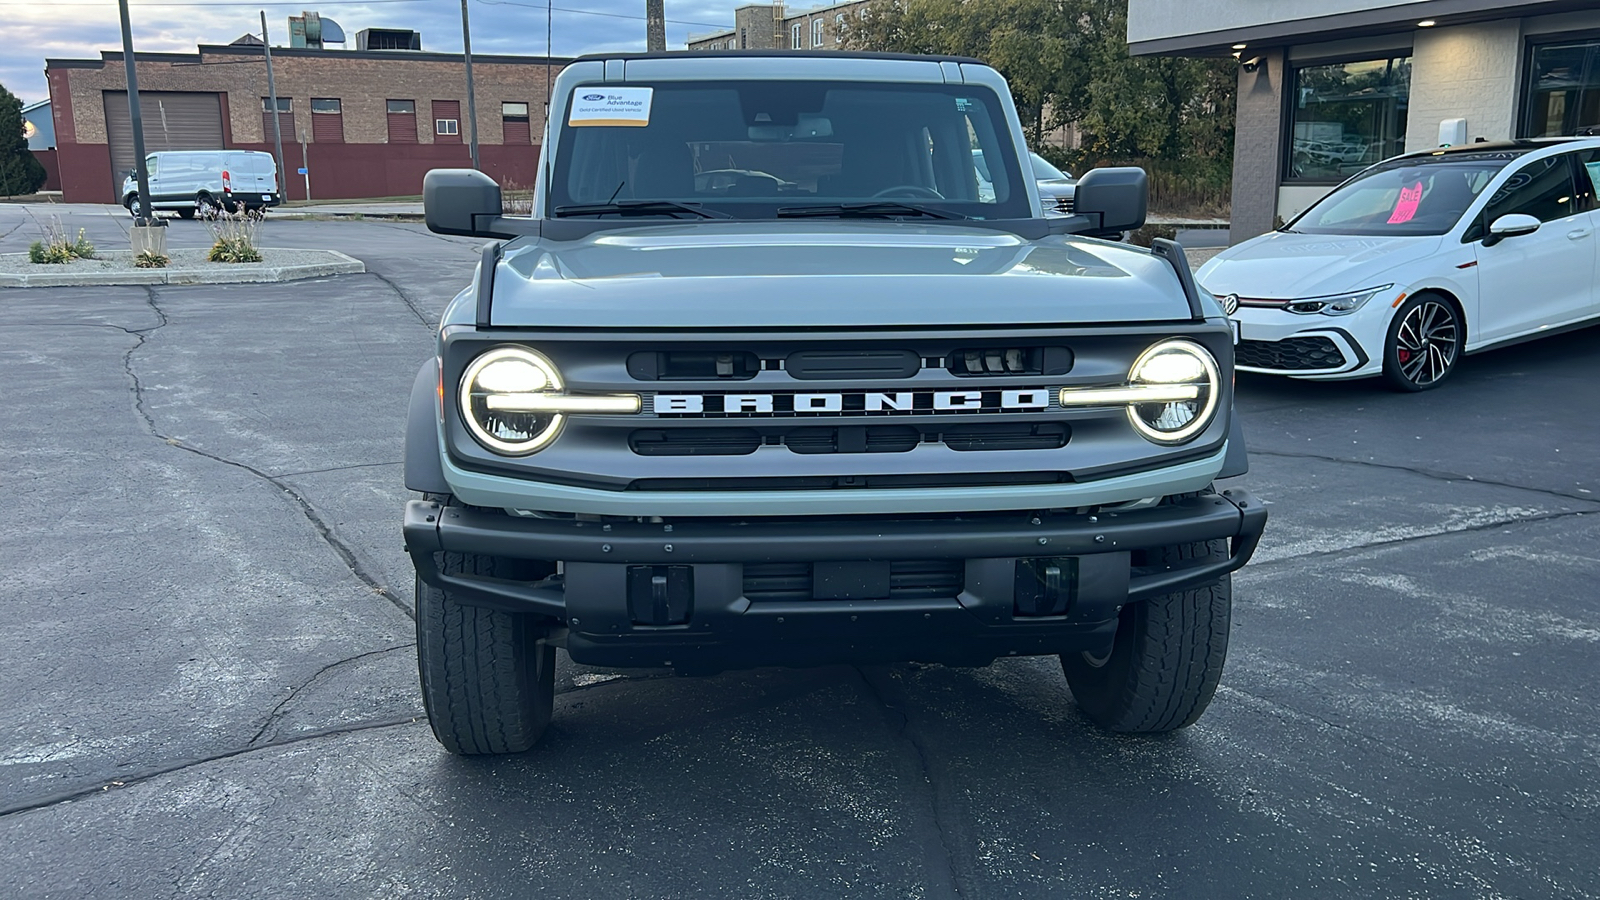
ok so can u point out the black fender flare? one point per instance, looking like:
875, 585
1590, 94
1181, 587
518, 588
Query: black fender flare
1237, 462
424, 471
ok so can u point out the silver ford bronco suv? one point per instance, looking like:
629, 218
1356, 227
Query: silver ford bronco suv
772, 377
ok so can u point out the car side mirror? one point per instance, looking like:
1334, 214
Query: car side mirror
460, 201
1508, 226
1119, 197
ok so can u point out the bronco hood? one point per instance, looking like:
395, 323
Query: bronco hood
822, 274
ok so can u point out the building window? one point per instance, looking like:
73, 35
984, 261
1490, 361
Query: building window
796, 34
1563, 93
402, 121
285, 119
284, 104
742, 43
327, 121
816, 32
514, 124
447, 121
1345, 117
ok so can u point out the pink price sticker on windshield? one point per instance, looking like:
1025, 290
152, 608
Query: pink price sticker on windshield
1405, 208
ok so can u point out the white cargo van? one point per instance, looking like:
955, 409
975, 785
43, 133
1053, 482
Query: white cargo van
206, 181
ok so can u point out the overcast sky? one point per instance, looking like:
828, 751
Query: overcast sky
31, 30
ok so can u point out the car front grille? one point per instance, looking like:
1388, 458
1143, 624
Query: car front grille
1066, 205
850, 439
908, 580
1289, 354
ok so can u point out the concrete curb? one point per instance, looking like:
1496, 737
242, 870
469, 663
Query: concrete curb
216, 273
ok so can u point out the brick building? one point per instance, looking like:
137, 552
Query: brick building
772, 26
373, 121
1328, 87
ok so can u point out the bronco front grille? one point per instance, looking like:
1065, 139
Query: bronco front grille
1290, 354
908, 580
849, 439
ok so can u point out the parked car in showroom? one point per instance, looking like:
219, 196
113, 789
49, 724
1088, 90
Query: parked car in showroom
1419, 260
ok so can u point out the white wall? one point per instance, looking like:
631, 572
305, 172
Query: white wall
1150, 20
1469, 71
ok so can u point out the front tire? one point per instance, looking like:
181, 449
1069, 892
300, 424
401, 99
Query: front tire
488, 677
1164, 665
1424, 344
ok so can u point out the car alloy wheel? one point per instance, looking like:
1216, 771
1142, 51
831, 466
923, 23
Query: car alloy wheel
1424, 344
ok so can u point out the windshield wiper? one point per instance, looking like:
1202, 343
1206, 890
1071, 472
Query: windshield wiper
876, 209
638, 208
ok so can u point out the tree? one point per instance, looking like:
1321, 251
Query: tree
20, 173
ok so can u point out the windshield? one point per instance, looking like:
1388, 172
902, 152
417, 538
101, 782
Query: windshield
1420, 197
760, 149
1043, 171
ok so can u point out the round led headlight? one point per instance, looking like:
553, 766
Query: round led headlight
494, 393
1183, 383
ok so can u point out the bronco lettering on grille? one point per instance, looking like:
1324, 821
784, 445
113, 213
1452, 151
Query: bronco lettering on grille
853, 403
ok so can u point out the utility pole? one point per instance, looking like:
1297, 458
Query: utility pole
305, 162
472, 100
272, 98
655, 26
144, 215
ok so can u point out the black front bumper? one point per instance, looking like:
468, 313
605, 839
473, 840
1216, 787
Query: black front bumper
724, 628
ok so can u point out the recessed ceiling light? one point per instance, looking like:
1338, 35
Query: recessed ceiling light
1239, 46
1426, 23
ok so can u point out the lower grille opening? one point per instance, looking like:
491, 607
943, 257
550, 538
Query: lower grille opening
932, 579
850, 439
848, 482
1289, 354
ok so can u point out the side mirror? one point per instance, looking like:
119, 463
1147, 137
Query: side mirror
460, 201
1513, 225
1118, 197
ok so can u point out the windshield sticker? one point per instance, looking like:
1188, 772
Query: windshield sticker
1405, 208
628, 106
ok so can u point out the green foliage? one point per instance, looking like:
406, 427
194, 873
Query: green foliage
1067, 62
235, 235
20, 173
56, 248
149, 260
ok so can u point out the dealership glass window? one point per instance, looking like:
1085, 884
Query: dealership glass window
402, 107
1346, 116
284, 104
325, 106
1563, 93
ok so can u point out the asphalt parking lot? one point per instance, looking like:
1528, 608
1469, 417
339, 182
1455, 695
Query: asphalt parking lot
209, 685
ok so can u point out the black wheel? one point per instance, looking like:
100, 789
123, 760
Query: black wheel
1424, 343
205, 207
488, 677
129, 202
186, 212
1164, 665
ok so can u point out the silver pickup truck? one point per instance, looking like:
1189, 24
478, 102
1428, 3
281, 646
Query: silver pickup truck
766, 379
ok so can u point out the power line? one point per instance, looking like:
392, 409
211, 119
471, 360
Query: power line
591, 12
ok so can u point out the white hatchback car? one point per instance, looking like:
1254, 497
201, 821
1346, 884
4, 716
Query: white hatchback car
1418, 260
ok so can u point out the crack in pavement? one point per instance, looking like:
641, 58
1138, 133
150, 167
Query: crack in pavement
1427, 473
415, 310
919, 752
1410, 538
272, 717
324, 530
376, 465
180, 765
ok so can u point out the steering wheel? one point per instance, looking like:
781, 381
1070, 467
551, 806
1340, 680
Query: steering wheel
910, 190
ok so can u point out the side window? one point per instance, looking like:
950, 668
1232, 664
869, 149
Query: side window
1542, 189
1589, 178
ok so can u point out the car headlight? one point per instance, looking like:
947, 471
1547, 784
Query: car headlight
514, 403
1172, 392
1336, 304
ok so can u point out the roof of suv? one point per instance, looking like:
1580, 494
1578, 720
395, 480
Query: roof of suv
786, 54
1520, 145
